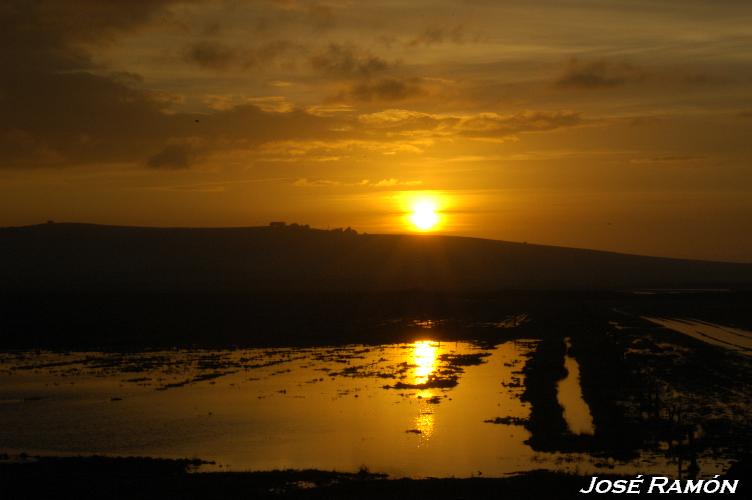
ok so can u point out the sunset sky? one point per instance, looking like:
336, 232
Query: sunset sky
622, 125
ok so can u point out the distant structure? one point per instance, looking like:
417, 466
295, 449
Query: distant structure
284, 225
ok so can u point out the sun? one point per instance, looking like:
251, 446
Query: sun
424, 216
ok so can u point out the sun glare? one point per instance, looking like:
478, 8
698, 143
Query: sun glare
424, 216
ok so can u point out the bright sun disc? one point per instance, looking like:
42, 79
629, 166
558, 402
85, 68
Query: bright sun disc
424, 216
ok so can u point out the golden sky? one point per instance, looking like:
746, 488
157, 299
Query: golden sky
621, 125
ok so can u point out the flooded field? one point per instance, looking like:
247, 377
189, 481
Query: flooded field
419, 409
408, 409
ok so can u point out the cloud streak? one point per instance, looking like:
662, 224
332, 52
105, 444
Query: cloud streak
348, 62
599, 74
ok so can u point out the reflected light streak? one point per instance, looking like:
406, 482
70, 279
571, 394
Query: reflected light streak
424, 423
424, 359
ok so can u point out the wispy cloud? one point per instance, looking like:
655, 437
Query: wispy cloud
599, 73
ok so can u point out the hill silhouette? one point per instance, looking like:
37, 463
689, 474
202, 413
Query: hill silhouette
63, 257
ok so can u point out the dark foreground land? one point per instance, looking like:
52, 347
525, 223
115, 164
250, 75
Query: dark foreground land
649, 389
98, 477
86, 257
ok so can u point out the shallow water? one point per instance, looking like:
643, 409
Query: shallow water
418, 409
569, 394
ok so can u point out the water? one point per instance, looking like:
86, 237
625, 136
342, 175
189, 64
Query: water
279, 408
569, 394
417, 409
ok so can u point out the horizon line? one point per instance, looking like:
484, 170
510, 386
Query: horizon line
279, 225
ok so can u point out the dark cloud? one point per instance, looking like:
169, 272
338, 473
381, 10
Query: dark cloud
79, 117
669, 159
218, 56
386, 89
49, 34
173, 157
700, 78
60, 109
439, 34
598, 74
312, 15
211, 55
345, 61
75, 117
56, 104
365, 72
270, 52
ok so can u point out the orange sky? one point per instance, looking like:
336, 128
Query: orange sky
619, 125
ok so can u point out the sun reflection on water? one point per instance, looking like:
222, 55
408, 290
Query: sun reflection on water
424, 423
424, 359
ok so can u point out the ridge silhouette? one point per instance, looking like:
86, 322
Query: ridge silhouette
291, 258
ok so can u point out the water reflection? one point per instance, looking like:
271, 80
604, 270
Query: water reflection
424, 422
332, 408
424, 357
576, 410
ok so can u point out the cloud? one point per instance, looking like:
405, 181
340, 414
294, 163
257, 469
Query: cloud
494, 124
173, 157
315, 183
388, 183
479, 125
83, 118
217, 56
439, 34
57, 105
365, 183
311, 14
272, 104
77, 117
365, 73
59, 108
366, 141
211, 55
49, 34
598, 74
667, 159
329, 109
401, 131
271, 51
345, 61
385, 89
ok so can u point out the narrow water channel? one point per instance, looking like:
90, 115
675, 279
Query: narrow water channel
569, 393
